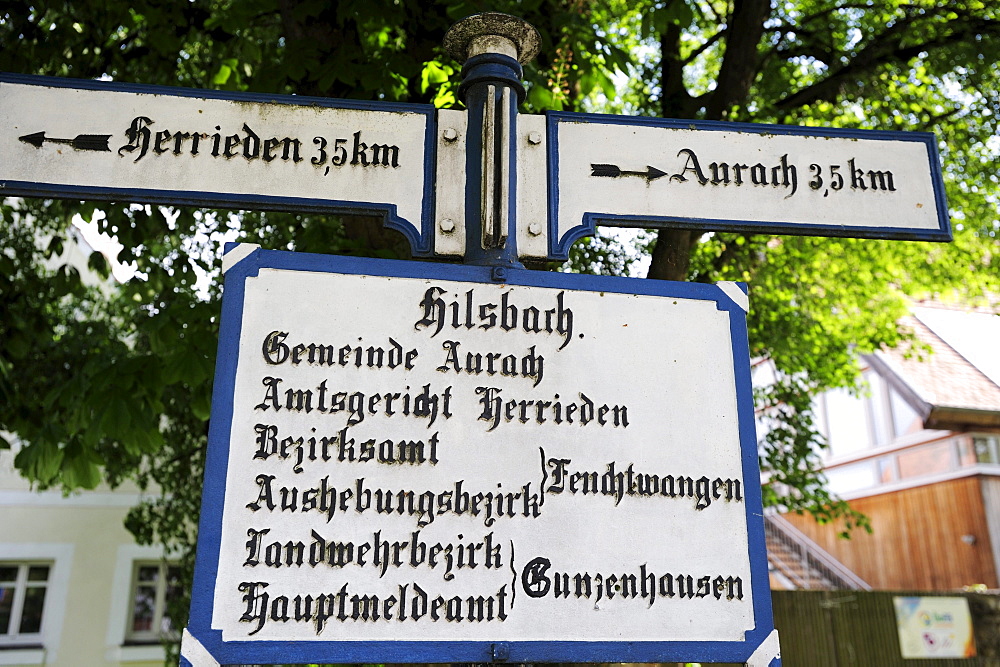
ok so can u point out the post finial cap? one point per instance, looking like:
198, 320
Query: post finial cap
522, 34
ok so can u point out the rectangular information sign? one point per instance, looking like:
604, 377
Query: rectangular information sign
750, 177
934, 627
411, 462
76, 139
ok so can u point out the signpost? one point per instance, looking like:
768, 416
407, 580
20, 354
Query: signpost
654, 172
154, 144
427, 462
415, 462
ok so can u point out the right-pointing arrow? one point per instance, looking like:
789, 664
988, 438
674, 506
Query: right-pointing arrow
614, 171
652, 173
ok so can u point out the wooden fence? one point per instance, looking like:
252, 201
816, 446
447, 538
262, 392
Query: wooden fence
858, 629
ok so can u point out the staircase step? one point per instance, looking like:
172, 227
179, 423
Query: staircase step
788, 563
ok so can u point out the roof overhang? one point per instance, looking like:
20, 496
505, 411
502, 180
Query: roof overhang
934, 416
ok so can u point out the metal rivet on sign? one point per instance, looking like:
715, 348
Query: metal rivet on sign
447, 225
534, 229
534, 138
450, 134
501, 652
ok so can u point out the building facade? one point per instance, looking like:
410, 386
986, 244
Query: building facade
75, 588
919, 454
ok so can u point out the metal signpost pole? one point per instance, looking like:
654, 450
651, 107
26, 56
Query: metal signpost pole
493, 47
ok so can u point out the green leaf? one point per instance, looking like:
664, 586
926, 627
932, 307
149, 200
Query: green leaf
116, 420
201, 405
39, 461
55, 248
98, 263
222, 75
433, 74
78, 472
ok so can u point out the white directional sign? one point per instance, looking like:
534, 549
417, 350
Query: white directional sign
412, 462
122, 142
650, 172
95, 140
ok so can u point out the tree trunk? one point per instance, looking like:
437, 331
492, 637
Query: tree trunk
672, 254
740, 64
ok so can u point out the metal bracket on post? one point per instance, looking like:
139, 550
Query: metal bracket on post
493, 47
449, 184
532, 188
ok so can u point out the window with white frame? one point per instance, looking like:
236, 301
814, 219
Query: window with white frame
876, 418
987, 448
23, 586
153, 583
845, 417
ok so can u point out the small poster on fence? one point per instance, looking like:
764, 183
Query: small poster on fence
934, 627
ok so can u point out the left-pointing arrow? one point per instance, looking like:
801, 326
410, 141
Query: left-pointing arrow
81, 142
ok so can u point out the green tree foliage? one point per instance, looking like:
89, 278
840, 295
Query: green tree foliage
114, 384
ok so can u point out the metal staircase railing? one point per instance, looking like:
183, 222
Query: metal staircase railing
810, 556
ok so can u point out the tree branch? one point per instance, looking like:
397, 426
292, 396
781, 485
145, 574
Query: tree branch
932, 121
886, 49
715, 18
806, 20
704, 47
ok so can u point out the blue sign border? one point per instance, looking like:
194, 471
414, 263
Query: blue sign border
559, 247
292, 652
421, 241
